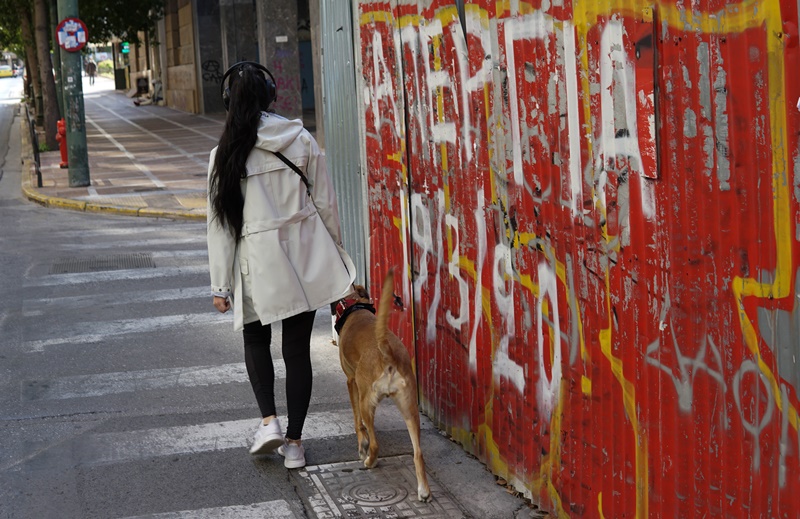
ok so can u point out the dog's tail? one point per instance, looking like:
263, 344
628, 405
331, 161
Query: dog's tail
382, 314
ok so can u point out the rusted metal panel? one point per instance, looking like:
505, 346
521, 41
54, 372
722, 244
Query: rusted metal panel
595, 208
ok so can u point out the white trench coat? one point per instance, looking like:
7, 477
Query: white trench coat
290, 257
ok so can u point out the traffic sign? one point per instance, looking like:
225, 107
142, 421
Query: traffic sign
72, 34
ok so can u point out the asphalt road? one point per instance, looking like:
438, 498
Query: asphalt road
123, 393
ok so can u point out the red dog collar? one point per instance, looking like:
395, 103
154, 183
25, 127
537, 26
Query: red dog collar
346, 306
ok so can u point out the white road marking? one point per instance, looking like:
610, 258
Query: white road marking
203, 154
115, 275
87, 333
85, 386
118, 299
118, 447
170, 145
129, 231
130, 156
266, 510
214, 138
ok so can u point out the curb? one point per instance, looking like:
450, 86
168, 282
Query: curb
32, 194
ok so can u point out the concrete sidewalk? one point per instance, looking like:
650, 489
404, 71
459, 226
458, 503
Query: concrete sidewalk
143, 160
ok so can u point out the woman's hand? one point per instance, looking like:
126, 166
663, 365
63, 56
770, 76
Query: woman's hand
222, 304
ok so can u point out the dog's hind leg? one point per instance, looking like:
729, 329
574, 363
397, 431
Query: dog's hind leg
368, 418
411, 417
361, 433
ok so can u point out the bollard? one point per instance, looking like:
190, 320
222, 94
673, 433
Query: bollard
61, 137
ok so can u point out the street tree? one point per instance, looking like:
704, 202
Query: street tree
123, 19
16, 35
24, 27
23, 10
41, 11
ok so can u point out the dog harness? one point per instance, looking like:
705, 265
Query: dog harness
346, 306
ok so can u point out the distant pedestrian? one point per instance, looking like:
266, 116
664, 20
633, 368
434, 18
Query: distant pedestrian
91, 70
274, 246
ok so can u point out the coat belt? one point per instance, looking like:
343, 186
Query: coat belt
270, 225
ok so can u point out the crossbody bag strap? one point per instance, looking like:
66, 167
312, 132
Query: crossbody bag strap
296, 169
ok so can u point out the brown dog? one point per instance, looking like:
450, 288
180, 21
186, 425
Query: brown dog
377, 365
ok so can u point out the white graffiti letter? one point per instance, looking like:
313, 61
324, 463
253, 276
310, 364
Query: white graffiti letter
455, 271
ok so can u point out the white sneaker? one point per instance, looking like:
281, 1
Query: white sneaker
294, 455
267, 438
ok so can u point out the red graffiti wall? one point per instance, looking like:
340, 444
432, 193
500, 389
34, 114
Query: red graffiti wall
594, 209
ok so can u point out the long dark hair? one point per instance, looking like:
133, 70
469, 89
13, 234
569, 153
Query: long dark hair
248, 98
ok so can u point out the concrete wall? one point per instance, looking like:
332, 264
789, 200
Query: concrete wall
209, 50
202, 38
238, 21
141, 66
278, 51
181, 67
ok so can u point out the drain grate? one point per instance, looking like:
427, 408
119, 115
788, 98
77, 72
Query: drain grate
74, 265
388, 490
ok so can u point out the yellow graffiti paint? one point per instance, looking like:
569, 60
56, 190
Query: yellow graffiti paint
372, 17
524, 239
552, 461
586, 385
504, 7
769, 12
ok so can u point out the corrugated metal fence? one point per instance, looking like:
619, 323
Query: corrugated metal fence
341, 126
594, 206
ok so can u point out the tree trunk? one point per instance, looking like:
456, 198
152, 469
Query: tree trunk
40, 11
31, 60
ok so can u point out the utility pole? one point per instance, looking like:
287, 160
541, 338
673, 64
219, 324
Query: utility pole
71, 35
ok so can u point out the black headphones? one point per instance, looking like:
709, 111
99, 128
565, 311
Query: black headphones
225, 91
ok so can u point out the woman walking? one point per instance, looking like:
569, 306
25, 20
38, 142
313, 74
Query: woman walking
274, 246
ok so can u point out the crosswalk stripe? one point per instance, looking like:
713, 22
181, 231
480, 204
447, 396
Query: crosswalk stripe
85, 386
34, 306
180, 254
115, 275
134, 244
278, 509
130, 230
118, 447
86, 333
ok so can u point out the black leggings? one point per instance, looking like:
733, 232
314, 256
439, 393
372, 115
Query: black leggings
297, 357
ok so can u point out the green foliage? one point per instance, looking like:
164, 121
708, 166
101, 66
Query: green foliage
106, 19
106, 68
10, 34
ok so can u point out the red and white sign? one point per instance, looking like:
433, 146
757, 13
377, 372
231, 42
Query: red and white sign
72, 34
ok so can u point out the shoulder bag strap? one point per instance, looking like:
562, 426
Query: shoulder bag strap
296, 169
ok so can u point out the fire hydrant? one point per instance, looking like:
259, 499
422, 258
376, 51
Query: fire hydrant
61, 137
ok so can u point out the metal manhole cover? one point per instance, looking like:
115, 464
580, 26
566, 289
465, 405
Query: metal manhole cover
388, 490
74, 265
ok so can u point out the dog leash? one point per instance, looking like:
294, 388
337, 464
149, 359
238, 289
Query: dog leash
296, 170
